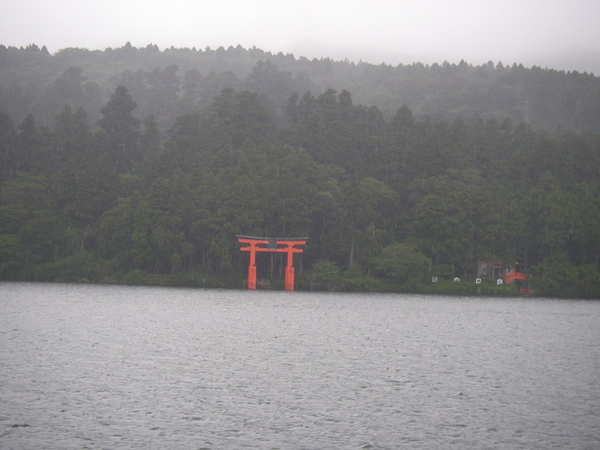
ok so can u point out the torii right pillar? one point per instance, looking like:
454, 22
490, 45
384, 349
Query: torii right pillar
289, 270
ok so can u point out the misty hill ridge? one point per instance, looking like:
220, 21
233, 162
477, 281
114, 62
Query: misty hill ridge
177, 81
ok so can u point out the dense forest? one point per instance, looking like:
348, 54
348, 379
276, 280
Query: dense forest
140, 166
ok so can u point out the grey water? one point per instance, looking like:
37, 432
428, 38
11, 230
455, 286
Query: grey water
87, 367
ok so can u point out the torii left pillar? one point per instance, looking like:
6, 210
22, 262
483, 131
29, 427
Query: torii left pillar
257, 244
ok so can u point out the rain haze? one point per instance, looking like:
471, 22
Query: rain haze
560, 34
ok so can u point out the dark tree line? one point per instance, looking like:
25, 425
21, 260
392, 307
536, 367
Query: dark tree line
387, 202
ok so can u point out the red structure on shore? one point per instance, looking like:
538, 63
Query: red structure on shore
508, 275
257, 244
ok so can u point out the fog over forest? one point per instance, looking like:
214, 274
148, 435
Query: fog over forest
557, 34
140, 165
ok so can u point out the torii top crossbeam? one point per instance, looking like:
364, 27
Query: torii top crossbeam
256, 244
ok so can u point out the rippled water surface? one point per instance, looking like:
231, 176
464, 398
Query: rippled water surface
122, 367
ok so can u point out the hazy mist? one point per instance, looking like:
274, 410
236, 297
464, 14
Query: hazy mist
561, 34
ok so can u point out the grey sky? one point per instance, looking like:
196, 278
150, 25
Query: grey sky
562, 34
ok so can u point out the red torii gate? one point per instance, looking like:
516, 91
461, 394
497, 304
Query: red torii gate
271, 246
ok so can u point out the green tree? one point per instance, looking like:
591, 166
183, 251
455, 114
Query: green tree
65, 90
7, 146
27, 211
240, 116
33, 148
163, 92
323, 276
402, 263
371, 207
149, 140
122, 129
71, 134
191, 87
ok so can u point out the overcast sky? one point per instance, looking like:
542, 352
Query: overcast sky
561, 34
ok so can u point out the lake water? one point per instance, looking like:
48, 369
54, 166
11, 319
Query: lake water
126, 367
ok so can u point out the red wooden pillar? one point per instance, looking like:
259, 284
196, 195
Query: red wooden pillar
289, 270
252, 267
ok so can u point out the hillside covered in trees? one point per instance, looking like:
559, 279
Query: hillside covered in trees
141, 165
